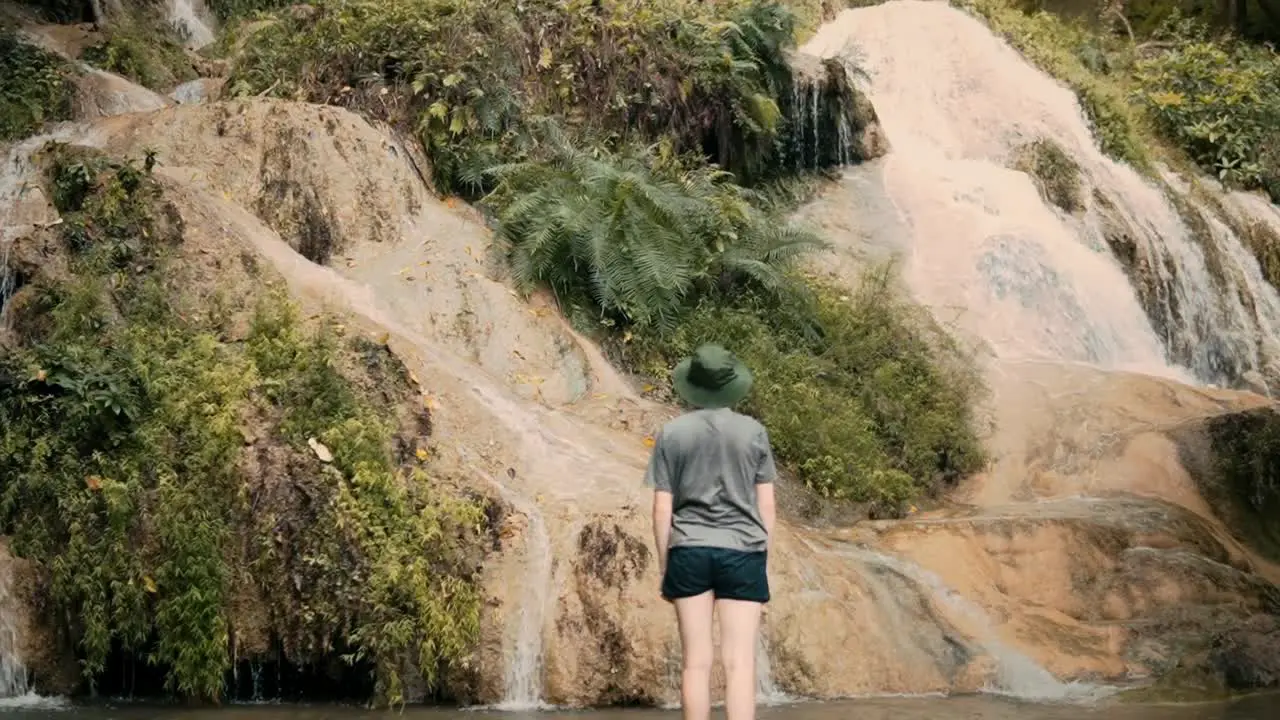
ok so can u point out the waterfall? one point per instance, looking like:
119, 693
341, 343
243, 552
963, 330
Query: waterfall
767, 693
190, 18
14, 682
820, 116
1125, 283
1017, 675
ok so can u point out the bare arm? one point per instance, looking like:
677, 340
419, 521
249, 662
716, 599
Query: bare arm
766, 474
767, 503
662, 503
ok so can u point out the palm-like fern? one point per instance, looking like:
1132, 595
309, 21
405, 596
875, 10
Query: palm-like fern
638, 242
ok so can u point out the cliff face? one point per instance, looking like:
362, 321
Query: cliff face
527, 412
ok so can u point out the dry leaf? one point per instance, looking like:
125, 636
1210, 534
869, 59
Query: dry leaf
94, 482
321, 451
422, 454
41, 375
648, 441
648, 388
384, 338
414, 378
149, 584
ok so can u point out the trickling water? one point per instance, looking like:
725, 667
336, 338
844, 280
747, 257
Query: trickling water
1016, 674
1031, 280
767, 693
189, 17
14, 681
820, 125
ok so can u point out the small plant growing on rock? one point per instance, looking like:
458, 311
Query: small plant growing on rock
1055, 173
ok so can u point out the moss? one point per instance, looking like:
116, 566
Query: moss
38, 87
1242, 480
1055, 173
145, 51
863, 398
156, 472
1072, 55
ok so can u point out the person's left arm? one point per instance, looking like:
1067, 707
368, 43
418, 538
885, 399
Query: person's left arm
658, 477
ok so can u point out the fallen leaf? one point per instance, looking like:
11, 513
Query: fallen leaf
149, 584
414, 378
648, 388
41, 375
626, 337
422, 454
94, 482
649, 442
911, 510
321, 451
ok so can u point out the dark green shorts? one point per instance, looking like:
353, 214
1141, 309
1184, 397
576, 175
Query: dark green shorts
730, 574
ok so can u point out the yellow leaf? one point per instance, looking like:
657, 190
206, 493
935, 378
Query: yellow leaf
148, 583
41, 375
626, 337
544, 60
422, 454
649, 442
414, 378
648, 388
384, 338
94, 482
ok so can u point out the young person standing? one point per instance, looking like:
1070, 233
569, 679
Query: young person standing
712, 472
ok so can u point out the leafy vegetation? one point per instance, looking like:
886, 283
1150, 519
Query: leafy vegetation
863, 397
1055, 173
636, 237
470, 78
37, 87
1077, 58
145, 50
1219, 100
126, 472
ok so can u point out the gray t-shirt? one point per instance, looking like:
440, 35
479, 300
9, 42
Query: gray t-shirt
711, 461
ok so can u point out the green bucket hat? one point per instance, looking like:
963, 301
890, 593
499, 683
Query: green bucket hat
712, 378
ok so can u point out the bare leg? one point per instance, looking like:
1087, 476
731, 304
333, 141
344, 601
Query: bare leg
695, 614
739, 623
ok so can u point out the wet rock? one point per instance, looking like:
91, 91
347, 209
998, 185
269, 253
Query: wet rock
1248, 657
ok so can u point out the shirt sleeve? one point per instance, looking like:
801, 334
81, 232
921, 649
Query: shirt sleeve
658, 474
766, 468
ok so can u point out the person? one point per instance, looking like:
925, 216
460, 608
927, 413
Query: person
712, 472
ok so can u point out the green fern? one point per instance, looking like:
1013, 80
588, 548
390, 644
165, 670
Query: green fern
637, 238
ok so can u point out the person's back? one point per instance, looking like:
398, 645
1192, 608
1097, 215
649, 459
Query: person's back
715, 457
712, 471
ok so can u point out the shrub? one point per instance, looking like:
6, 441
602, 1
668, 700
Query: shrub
123, 473
634, 238
862, 398
467, 76
37, 87
1220, 102
146, 52
1072, 56
1055, 173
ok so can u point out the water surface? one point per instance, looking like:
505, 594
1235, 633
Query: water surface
1264, 707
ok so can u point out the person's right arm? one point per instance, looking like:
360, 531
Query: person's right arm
766, 474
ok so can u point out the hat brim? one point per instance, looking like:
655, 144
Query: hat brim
727, 396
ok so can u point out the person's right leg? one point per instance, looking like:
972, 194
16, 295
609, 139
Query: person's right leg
694, 615
742, 589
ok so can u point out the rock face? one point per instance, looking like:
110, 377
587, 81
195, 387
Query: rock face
1021, 586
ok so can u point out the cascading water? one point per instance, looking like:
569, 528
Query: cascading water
1035, 282
14, 681
190, 17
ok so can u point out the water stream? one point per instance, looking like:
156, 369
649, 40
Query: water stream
192, 19
1027, 278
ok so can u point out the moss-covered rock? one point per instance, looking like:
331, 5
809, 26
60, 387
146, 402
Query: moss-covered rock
38, 87
202, 479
